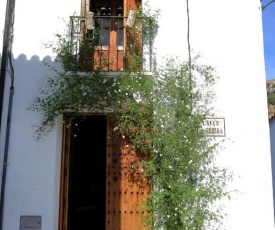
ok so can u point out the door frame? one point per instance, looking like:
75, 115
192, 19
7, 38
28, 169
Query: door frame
64, 180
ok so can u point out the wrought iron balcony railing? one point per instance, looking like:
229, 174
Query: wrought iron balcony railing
109, 45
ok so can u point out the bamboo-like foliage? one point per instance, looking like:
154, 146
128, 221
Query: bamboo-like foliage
162, 115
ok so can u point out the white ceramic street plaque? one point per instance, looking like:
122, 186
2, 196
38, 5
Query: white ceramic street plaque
214, 127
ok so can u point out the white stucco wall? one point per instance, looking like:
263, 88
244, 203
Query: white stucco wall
228, 34
33, 173
237, 52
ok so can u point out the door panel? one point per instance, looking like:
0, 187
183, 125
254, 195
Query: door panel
126, 185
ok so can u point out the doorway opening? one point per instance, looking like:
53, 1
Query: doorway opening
86, 161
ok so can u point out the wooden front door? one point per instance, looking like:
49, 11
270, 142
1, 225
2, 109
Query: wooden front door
101, 186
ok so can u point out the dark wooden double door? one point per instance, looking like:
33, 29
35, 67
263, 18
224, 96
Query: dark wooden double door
101, 187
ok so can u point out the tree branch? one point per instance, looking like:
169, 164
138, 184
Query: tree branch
264, 6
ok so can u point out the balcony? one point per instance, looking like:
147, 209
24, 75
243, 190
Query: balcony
109, 45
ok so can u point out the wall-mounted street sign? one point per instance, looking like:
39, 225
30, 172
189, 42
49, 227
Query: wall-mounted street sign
214, 127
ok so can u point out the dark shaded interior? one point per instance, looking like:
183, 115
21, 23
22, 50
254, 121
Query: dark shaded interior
87, 174
105, 6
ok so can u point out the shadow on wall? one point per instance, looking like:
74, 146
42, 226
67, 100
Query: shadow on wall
28, 74
26, 155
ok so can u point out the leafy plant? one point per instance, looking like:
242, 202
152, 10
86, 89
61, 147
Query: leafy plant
162, 114
168, 116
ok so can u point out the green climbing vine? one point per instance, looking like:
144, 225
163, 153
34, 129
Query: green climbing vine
167, 116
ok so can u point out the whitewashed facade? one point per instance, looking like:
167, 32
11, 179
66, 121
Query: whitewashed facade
227, 34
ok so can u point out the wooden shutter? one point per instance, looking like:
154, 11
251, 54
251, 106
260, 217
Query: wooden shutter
133, 38
126, 186
132, 4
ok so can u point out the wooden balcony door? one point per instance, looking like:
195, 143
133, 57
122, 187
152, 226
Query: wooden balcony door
109, 35
101, 187
108, 53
